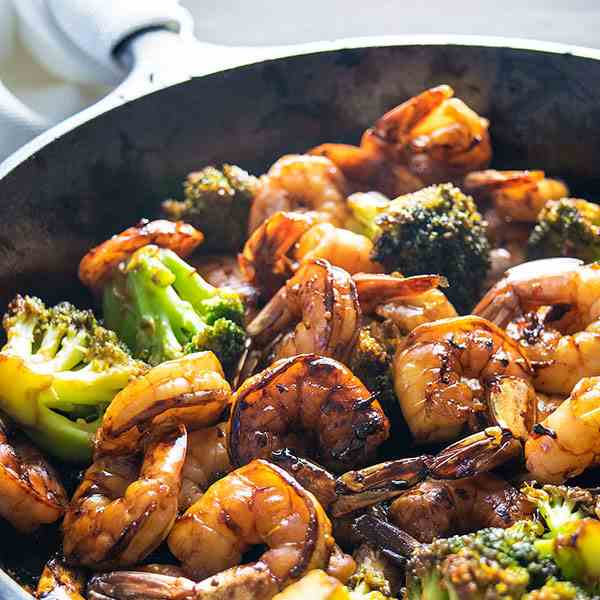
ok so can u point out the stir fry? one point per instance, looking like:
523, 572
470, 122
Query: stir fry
370, 394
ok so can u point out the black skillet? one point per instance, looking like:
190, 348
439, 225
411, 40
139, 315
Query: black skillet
79, 183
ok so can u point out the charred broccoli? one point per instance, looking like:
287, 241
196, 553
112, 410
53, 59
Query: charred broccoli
573, 540
567, 227
371, 362
60, 370
491, 563
538, 559
162, 308
434, 230
216, 201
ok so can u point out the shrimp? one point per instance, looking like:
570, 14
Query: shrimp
190, 390
30, 492
98, 263
312, 405
568, 350
223, 271
435, 509
122, 511
430, 138
206, 461
59, 582
567, 441
515, 195
441, 372
285, 240
326, 301
409, 313
299, 182
258, 503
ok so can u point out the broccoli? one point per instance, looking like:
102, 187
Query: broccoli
573, 540
559, 590
162, 308
490, 563
566, 227
371, 362
60, 369
216, 201
434, 230
375, 578
538, 559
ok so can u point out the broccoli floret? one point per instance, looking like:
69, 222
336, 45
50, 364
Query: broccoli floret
162, 308
573, 540
559, 590
371, 362
434, 230
374, 578
60, 369
490, 563
567, 227
216, 201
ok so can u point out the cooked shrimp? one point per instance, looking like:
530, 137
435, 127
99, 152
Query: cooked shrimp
567, 441
441, 372
299, 182
98, 263
59, 582
190, 390
206, 461
223, 271
409, 313
430, 138
435, 508
30, 491
312, 405
237, 583
122, 511
565, 347
516, 195
276, 249
326, 301
258, 503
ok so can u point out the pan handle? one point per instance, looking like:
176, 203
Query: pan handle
144, 44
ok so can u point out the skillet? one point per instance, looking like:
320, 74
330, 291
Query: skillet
82, 181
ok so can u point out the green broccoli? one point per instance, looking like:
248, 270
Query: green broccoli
60, 370
573, 540
162, 308
490, 563
559, 590
434, 230
375, 578
567, 227
216, 201
531, 558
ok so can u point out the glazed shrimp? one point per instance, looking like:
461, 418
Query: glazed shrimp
285, 240
122, 511
430, 138
312, 405
30, 492
564, 348
299, 182
190, 390
567, 442
515, 195
206, 461
98, 263
435, 508
255, 504
60, 582
325, 299
441, 373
